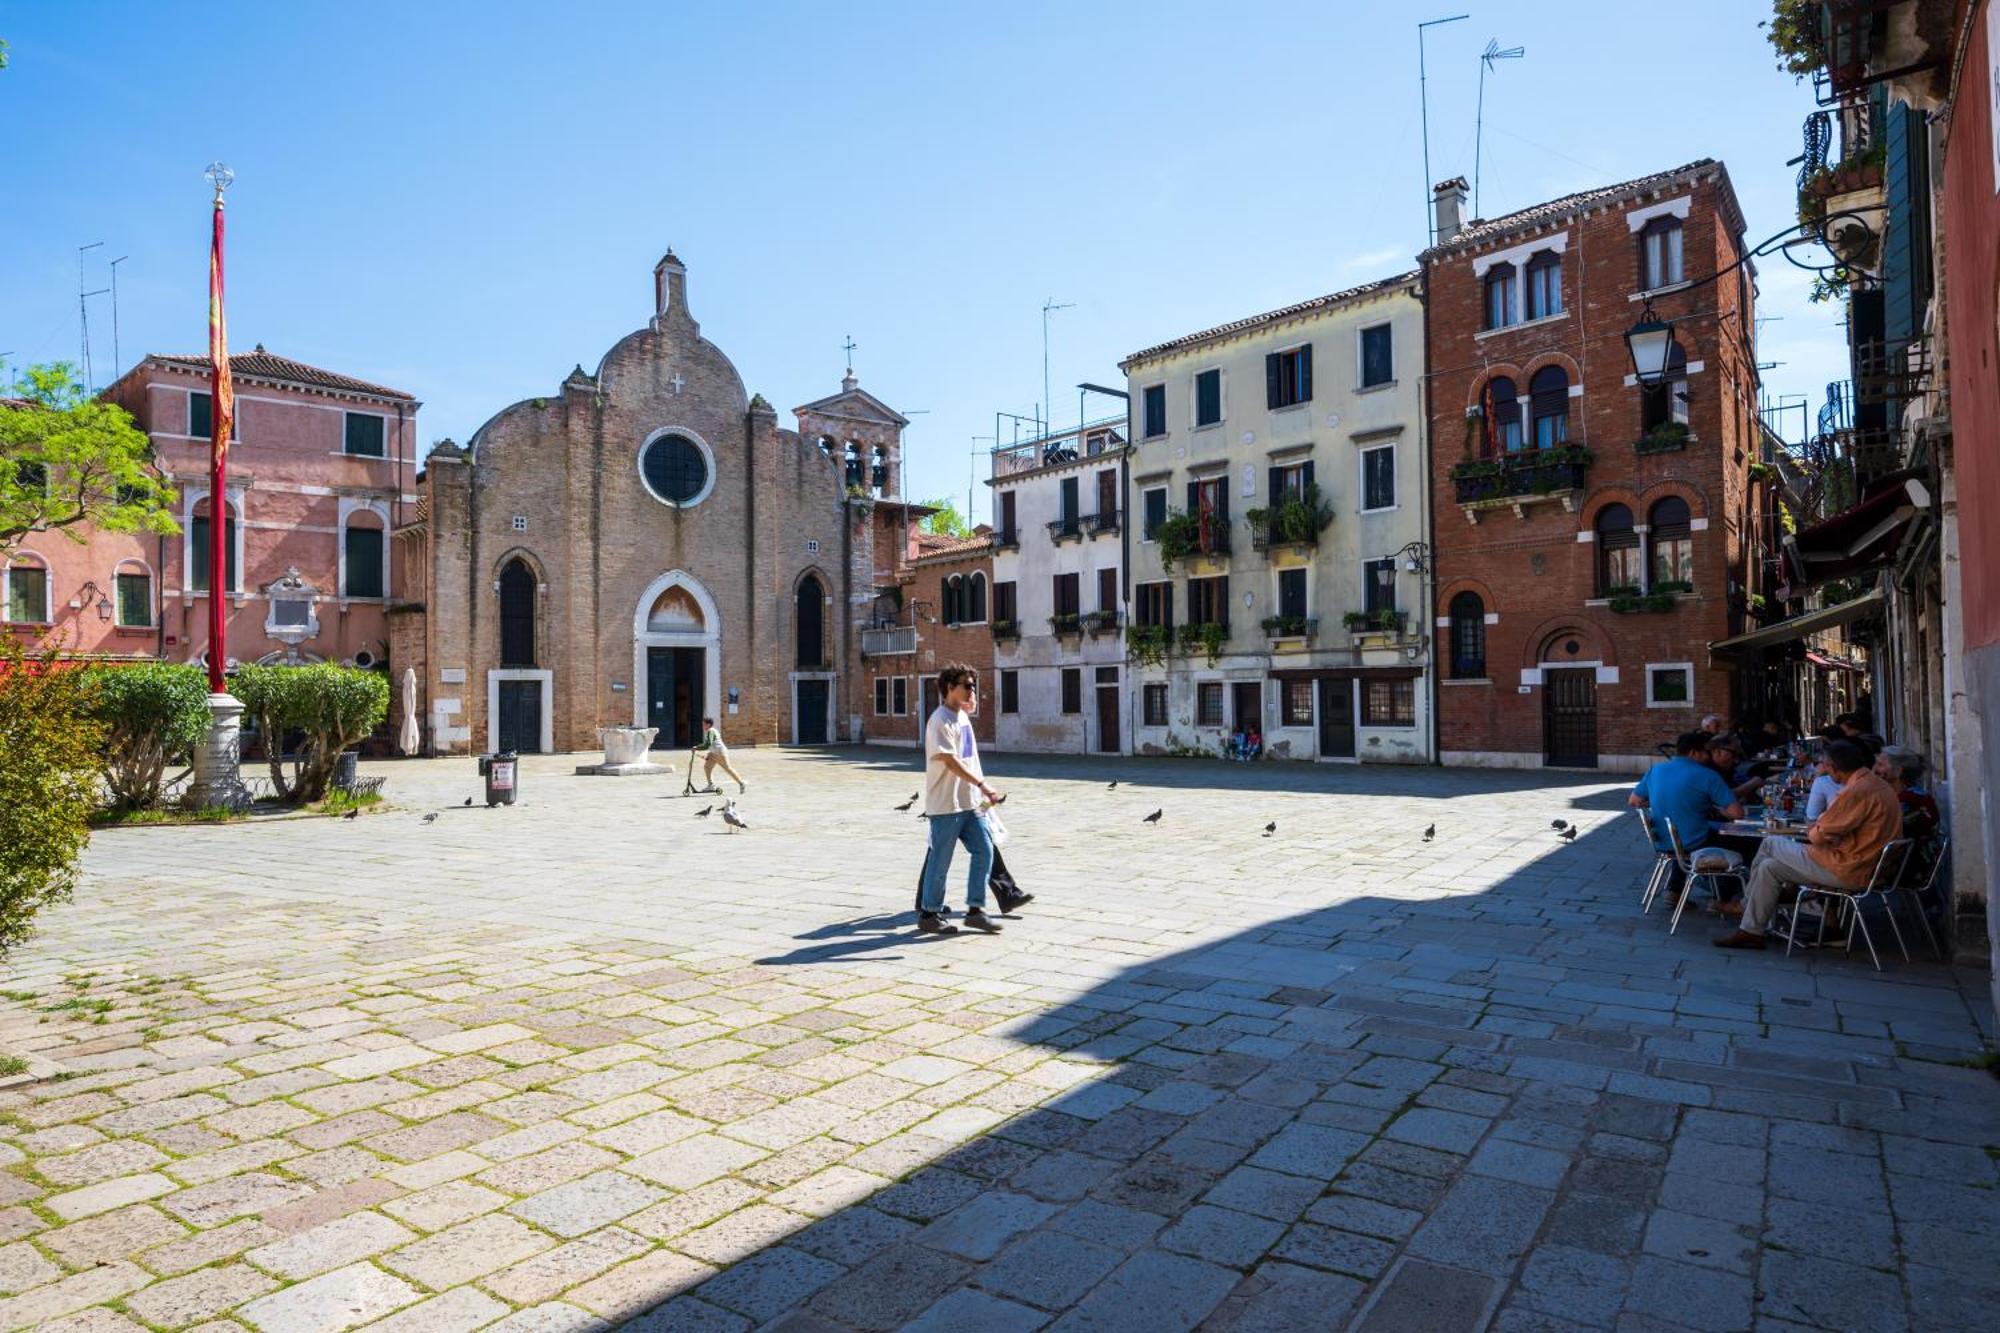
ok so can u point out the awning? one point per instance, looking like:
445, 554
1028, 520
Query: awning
1860, 538
1798, 627
1831, 663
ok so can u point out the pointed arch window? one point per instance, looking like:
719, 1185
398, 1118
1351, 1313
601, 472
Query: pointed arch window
517, 614
811, 623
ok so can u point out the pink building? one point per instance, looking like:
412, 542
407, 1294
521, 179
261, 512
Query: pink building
319, 470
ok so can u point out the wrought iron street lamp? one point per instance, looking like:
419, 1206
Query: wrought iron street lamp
1651, 343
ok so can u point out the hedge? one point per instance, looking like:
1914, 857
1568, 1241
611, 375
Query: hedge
332, 707
153, 714
49, 755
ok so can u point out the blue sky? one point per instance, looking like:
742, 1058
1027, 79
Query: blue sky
465, 200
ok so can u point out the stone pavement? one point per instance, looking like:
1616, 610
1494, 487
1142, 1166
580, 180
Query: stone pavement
591, 1062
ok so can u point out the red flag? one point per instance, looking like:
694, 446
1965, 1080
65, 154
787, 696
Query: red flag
223, 416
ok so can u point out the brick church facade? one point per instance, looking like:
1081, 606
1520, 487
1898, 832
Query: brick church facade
648, 545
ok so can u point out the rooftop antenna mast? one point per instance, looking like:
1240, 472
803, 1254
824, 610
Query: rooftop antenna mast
117, 359
1048, 307
83, 308
1423, 97
1492, 53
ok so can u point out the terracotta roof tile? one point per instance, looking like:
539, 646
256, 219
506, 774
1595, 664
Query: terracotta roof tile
1482, 229
261, 364
1271, 316
935, 545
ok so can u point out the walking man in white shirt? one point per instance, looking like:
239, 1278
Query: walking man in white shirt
954, 790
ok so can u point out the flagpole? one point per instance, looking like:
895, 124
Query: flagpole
218, 779
221, 411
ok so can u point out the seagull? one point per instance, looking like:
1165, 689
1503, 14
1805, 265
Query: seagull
906, 805
731, 818
1568, 834
352, 814
431, 817
1558, 824
1154, 818
1270, 828
705, 812
468, 800
1430, 831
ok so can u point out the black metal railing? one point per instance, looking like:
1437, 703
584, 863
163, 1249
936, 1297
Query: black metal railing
1841, 136
1101, 622
1105, 520
1290, 627
1005, 629
1069, 525
1066, 622
1007, 539
1528, 472
1263, 536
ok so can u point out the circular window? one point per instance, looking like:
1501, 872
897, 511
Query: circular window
675, 469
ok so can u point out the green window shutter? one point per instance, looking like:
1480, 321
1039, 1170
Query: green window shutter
1306, 373
364, 562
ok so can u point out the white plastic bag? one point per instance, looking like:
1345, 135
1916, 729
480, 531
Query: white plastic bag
994, 828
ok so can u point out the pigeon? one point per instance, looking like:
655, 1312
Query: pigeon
1154, 818
915, 794
906, 805
1270, 828
468, 800
1430, 831
704, 812
1113, 786
1558, 824
1568, 834
731, 818
352, 814
431, 817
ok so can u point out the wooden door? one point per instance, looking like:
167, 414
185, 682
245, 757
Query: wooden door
1336, 718
813, 695
520, 721
1569, 717
1107, 719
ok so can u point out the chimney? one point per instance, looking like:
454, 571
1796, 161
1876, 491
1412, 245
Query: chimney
1449, 209
670, 285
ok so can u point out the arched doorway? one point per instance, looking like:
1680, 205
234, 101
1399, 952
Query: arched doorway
812, 678
1569, 701
519, 694
676, 659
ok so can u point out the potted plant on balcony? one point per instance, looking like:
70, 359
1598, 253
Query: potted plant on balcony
1300, 518
1179, 536
1207, 637
1673, 585
1287, 627
1066, 623
1099, 622
1373, 622
1006, 629
1665, 438
1147, 644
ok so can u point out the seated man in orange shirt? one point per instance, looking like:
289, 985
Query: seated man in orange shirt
1840, 851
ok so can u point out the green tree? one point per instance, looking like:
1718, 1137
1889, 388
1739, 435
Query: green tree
49, 756
70, 462
947, 521
153, 714
327, 707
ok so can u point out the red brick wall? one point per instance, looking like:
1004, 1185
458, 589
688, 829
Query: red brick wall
1972, 297
940, 644
1532, 570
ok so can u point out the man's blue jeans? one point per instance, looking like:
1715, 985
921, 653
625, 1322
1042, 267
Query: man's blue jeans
968, 827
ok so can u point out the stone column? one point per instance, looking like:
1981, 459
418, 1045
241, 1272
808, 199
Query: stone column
217, 778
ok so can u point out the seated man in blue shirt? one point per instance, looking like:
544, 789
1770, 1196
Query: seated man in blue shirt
1688, 791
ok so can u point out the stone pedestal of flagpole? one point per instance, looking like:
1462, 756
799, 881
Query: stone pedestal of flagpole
218, 780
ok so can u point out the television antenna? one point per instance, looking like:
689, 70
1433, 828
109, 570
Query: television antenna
1492, 53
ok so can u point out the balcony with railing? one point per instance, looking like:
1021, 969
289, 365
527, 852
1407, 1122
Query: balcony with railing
1005, 629
1865, 427
1069, 527
1104, 521
1007, 539
1091, 440
1521, 478
1099, 623
1850, 45
1290, 627
888, 640
1295, 519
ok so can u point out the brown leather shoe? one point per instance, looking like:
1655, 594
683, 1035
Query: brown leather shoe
1730, 907
1740, 939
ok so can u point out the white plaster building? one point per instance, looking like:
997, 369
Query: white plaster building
1278, 492
1058, 553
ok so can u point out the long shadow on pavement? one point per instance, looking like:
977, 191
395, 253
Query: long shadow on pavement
1523, 1108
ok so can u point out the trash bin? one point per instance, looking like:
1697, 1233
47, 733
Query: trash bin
346, 769
499, 770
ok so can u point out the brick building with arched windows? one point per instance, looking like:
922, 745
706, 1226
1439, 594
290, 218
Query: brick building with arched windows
1592, 535
646, 546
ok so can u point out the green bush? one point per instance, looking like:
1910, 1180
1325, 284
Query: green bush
332, 707
152, 715
49, 747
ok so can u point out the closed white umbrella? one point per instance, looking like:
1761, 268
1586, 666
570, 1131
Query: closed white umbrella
407, 740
